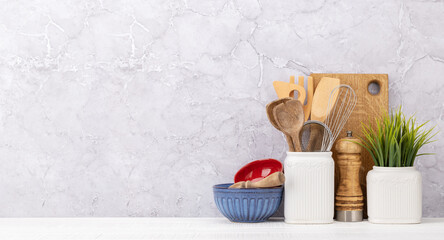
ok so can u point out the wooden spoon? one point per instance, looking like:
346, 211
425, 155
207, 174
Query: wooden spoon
273, 122
289, 117
274, 180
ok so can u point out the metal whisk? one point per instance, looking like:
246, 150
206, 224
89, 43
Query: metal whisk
311, 136
339, 113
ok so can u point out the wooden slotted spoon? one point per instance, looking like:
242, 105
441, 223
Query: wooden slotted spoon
289, 117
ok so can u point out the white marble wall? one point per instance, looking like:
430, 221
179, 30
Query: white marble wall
137, 107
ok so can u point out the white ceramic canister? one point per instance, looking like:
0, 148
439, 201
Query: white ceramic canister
309, 187
394, 195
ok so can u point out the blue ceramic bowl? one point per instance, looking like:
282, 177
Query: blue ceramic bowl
247, 204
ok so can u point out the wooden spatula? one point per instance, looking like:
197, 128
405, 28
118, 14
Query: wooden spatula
274, 180
289, 117
319, 106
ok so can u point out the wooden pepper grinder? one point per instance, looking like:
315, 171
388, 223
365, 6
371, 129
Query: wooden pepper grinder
349, 202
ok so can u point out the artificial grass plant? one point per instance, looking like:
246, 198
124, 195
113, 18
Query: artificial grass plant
395, 140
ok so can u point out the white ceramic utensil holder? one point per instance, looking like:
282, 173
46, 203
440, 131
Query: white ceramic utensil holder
309, 187
394, 195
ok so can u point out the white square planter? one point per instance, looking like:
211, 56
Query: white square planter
394, 195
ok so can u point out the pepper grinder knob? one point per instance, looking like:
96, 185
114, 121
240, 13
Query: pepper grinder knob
349, 200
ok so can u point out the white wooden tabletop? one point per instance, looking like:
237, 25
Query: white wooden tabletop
208, 228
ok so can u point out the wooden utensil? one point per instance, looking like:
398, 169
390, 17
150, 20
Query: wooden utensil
274, 180
308, 105
285, 89
273, 122
370, 103
309, 94
289, 117
349, 202
321, 98
320, 107
301, 82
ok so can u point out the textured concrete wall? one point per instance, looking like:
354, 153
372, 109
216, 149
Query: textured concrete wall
136, 108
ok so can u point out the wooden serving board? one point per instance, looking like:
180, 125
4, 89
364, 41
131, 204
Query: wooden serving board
367, 108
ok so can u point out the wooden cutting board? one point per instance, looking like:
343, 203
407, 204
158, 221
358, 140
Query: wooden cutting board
370, 105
